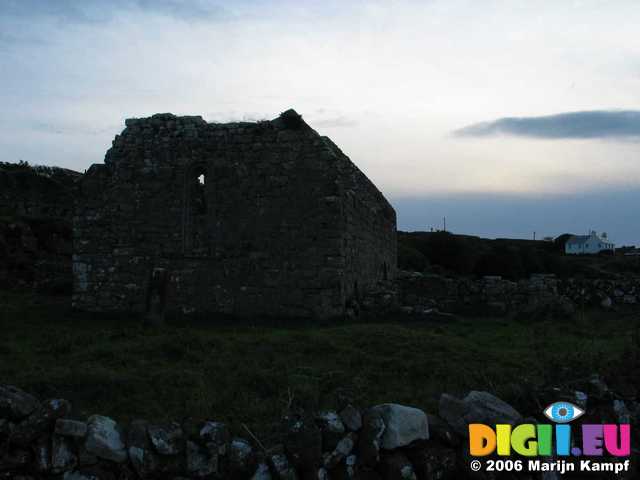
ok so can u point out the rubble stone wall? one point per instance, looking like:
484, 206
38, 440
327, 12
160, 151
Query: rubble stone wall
42, 440
494, 295
267, 232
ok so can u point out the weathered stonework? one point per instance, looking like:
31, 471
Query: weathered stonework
265, 218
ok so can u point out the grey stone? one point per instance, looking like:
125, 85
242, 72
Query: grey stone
452, 410
403, 425
42, 454
621, 411
40, 421
70, 428
581, 399
344, 447
167, 439
16, 404
322, 474
262, 472
85, 458
441, 431
199, 462
62, 456
141, 453
351, 463
476, 407
281, 468
80, 476
242, 458
103, 439
216, 435
483, 407
332, 428
351, 418
370, 437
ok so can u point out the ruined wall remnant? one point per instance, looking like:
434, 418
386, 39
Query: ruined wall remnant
246, 218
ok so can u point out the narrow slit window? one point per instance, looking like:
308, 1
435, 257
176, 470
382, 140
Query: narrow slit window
199, 198
196, 214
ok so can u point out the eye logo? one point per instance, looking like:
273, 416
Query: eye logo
563, 412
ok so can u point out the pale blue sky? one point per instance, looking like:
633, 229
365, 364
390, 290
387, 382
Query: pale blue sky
505, 116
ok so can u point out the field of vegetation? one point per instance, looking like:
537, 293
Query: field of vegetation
251, 373
510, 258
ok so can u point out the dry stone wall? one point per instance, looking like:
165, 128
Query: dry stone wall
42, 440
494, 295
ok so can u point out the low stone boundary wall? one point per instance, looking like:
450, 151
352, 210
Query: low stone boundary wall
494, 295
41, 440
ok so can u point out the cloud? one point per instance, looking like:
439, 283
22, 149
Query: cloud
90, 11
621, 124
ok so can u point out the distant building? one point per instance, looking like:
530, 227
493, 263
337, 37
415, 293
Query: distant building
588, 244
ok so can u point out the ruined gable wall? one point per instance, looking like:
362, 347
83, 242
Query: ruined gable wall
369, 229
268, 229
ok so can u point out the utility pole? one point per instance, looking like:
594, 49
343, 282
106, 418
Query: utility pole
444, 224
534, 235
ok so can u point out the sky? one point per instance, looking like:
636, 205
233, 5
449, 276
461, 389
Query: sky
505, 117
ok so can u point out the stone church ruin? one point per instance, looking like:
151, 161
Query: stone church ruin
265, 218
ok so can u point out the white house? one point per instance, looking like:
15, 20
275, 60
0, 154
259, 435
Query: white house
588, 244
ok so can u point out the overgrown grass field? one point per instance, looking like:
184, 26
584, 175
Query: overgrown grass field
244, 373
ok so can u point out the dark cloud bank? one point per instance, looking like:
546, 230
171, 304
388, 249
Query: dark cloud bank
620, 124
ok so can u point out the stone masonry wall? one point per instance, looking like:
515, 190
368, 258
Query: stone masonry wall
265, 233
369, 236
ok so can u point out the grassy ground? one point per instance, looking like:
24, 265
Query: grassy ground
244, 373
